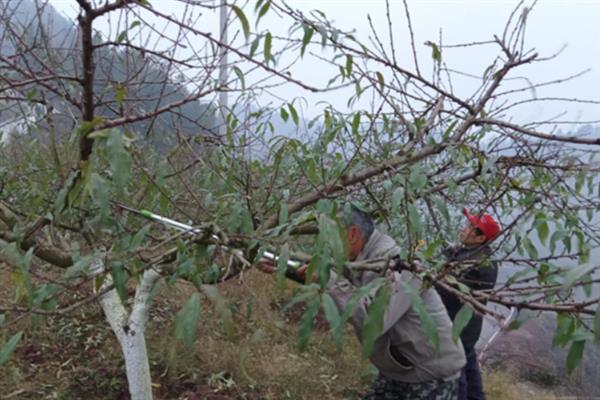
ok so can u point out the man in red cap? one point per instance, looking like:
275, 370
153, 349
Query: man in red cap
478, 273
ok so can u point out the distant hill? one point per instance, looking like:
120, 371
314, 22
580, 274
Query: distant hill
126, 81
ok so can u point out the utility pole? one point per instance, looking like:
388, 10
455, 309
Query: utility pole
223, 68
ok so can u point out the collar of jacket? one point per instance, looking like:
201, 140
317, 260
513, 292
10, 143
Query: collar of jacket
471, 253
378, 245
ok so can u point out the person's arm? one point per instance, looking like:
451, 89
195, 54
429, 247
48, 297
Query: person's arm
296, 275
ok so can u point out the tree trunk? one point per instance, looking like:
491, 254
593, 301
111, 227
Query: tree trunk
129, 329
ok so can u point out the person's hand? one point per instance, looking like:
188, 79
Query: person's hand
301, 272
267, 266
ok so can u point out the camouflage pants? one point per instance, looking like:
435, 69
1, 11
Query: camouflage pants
387, 389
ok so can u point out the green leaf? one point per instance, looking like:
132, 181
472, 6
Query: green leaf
186, 320
122, 36
331, 235
543, 231
9, 347
267, 50
294, 113
427, 321
574, 356
118, 158
283, 213
220, 303
373, 323
254, 46
530, 247
436, 54
331, 311
311, 171
302, 296
576, 273
98, 189
263, 11
355, 124
120, 94
460, 321
380, 80
397, 197
432, 248
580, 180
349, 64
565, 327
139, 237
414, 217
240, 75
242, 17
284, 114
308, 33
119, 277
417, 179
308, 320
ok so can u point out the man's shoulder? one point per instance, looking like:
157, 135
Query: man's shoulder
381, 245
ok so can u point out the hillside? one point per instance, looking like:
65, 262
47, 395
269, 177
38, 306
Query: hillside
72, 356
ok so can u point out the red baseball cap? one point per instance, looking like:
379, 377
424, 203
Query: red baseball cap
485, 223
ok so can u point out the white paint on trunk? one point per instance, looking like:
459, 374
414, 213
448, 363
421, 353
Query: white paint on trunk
129, 329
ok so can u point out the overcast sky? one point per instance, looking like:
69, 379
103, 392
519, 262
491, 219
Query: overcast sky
551, 25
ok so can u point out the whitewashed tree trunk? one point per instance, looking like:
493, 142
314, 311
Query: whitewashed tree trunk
129, 329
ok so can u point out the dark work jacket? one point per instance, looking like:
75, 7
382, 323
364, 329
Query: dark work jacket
477, 277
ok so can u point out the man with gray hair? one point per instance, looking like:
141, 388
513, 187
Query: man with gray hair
410, 367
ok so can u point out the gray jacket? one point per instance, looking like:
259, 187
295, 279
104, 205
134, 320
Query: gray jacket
402, 352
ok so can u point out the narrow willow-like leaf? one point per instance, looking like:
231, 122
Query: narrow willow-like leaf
574, 356
427, 321
308, 321
308, 33
373, 323
244, 21
461, 320
186, 321
9, 347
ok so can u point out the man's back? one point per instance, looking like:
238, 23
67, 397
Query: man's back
403, 352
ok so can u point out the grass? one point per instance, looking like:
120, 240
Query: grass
502, 385
77, 357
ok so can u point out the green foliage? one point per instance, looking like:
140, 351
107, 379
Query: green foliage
119, 276
333, 318
263, 10
574, 355
9, 347
267, 47
243, 20
436, 54
308, 33
461, 320
223, 309
186, 320
306, 326
373, 323
427, 322
118, 158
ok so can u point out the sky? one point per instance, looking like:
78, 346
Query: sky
551, 25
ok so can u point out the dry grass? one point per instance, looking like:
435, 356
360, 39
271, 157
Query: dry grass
261, 359
77, 357
502, 385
